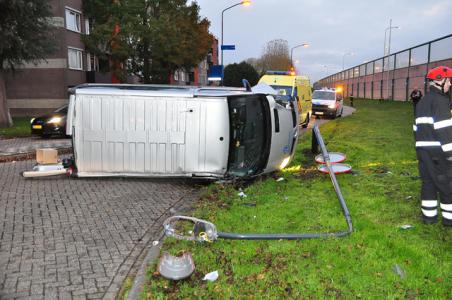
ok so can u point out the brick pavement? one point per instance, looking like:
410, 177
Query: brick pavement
30, 144
73, 238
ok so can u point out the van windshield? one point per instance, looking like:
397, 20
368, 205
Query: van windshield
323, 95
250, 135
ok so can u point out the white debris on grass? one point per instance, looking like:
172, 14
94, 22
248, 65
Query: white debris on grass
280, 179
406, 226
399, 271
212, 276
242, 194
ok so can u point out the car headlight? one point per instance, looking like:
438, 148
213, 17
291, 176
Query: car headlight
55, 120
332, 105
31, 121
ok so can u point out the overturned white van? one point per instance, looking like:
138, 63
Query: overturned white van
162, 131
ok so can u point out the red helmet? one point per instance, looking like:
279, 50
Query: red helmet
439, 73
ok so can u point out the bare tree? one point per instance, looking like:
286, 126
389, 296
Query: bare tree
275, 56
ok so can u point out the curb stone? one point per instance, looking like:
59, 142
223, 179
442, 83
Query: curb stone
134, 267
151, 257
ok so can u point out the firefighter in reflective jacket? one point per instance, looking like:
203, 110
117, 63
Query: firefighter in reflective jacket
433, 133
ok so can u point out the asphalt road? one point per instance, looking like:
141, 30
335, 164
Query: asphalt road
321, 120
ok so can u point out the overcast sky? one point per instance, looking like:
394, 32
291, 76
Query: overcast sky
331, 27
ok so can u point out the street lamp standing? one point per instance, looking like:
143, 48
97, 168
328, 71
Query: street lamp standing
390, 28
304, 45
244, 3
343, 59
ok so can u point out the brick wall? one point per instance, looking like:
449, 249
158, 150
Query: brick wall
398, 83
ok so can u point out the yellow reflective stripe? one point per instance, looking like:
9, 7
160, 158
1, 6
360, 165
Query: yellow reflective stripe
442, 124
429, 203
427, 144
447, 147
430, 213
447, 215
446, 206
424, 120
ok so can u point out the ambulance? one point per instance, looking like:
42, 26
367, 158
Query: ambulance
293, 88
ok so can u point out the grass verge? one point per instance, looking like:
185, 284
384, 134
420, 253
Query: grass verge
382, 194
20, 128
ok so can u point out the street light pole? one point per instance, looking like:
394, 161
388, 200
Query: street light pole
304, 45
390, 28
243, 2
343, 59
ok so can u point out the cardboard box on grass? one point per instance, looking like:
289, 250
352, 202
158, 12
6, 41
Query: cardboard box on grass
47, 156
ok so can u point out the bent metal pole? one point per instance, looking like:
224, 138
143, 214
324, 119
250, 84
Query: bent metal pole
209, 232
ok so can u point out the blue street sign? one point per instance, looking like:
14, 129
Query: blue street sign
215, 73
227, 47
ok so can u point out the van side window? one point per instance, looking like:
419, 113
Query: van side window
275, 112
294, 115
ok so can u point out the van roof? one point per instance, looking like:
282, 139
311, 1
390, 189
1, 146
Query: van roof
157, 90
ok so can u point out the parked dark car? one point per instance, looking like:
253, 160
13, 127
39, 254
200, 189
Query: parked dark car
51, 124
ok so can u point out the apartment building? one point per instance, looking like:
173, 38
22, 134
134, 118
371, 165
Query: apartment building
42, 86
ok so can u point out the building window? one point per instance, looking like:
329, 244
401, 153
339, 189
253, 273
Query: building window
75, 60
73, 20
87, 27
92, 63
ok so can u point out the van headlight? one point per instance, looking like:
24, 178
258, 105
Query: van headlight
284, 163
55, 120
31, 121
332, 105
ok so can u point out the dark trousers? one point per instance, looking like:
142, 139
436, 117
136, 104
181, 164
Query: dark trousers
436, 176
